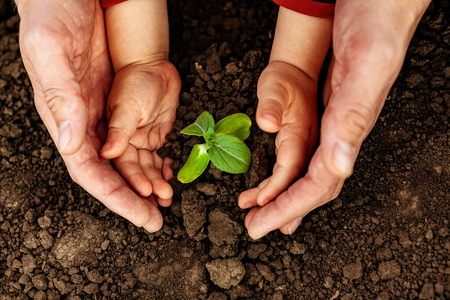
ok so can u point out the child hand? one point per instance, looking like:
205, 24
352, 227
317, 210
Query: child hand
287, 92
287, 105
141, 110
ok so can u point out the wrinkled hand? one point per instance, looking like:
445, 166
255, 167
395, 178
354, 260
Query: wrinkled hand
64, 50
141, 110
370, 40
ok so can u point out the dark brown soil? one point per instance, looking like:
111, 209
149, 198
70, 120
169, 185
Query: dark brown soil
385, 237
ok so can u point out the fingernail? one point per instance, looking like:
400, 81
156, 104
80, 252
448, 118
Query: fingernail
343, 157
271, 117
106, 146
258, 237
247, 205
65, 135
294, 225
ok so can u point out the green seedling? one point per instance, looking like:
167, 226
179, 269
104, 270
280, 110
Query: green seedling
224, 146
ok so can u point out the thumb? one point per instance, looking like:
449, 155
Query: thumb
274, 93
349, 117
123, 114
122, 126
61, 100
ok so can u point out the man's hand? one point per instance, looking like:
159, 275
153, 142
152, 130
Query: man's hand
370, 39
64, 50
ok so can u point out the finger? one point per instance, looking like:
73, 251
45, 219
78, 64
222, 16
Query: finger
123, 123
100, 180
350, 115
248, 198
291, 227
250, 215
153, 225
128, 165
316, 188
160, 187
273, 98
293, 150
167, 171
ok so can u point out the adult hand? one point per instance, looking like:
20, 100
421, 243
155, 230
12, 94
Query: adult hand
370, 40
64, 49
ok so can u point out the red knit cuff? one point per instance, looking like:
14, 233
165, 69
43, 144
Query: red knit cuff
309, 7
106, 3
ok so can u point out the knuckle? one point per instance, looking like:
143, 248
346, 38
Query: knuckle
53, 99
118, 131
356, 120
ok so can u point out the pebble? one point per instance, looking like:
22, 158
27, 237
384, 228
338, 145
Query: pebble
226, 273
95, 276
222, 229
40, 295
45, 222
46, 239
209, 189
353, 271
298, 248
384, 254
427, 291
30, 241
91, 288
328, 282
76, 278
46, 153
265, 272
29, 264
389, 269
439, 288
443, 231
255, 250
62, 286
40, 282
29, 215
337, 203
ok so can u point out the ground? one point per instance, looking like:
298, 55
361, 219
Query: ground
385, 237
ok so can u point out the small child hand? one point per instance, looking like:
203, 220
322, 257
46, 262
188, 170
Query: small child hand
287, 105
141, 110
287, 92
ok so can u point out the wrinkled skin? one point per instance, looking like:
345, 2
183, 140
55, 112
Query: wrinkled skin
370, 40
64, 49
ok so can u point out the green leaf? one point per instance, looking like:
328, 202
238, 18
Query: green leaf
200, 126
237, 125
230, 154
195, 165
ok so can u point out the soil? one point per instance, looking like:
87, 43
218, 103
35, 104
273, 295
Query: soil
385, 237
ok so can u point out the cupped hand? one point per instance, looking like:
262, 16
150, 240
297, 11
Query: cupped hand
370, 40
287, 106
141, 110
64, 50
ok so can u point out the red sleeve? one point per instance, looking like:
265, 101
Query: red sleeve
315, 8
106, 3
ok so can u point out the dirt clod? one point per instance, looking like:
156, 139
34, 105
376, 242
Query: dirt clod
226, 273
